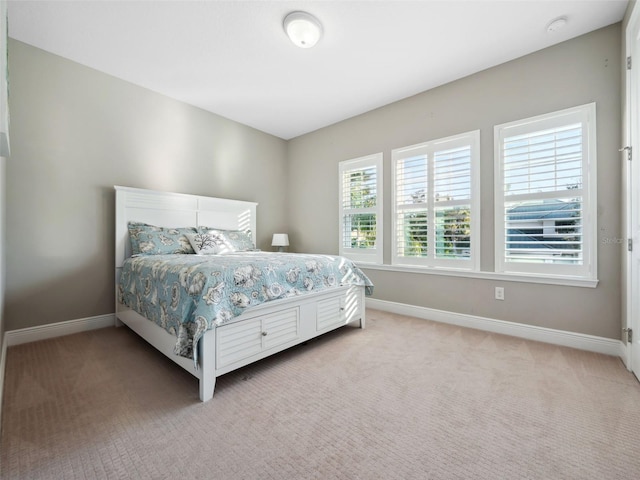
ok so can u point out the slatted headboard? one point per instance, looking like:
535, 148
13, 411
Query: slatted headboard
166, 209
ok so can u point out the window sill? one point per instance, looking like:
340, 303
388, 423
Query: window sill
503, 277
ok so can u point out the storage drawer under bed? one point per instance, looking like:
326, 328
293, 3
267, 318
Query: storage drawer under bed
238, 341
337, 311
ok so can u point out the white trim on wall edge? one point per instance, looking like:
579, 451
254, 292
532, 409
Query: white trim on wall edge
581, 341
59, 329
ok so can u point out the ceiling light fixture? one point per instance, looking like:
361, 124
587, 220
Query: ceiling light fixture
557, 24
303, 29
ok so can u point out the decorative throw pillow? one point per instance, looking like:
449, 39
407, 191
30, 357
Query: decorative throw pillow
233, 240
152, 240
239, 241
206, 243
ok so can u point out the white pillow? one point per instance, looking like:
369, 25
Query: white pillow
207, 243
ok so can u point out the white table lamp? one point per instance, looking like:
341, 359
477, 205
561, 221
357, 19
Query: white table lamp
280, 240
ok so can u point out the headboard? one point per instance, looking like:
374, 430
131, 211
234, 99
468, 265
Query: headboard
166, 209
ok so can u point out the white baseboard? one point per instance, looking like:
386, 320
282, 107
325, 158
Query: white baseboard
52, 330
581, 341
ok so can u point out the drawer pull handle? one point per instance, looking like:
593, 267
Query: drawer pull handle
264, 334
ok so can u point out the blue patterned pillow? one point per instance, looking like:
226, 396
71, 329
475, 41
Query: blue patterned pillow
151, 240
230, 240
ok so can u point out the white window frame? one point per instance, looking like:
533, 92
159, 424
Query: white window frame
370, 255
586, 115
471, 263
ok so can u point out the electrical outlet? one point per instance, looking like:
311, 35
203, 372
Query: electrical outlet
499, 293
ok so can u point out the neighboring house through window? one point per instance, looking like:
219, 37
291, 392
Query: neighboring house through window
360, 206
436, 203
545, 194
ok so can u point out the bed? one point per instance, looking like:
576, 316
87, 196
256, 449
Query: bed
250, 327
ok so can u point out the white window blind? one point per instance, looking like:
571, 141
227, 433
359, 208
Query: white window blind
545, 194
436, 201
360, 205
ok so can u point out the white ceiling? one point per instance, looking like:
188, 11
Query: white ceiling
234, 59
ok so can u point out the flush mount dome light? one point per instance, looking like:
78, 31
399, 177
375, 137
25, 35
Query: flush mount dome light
557, 24
303, 29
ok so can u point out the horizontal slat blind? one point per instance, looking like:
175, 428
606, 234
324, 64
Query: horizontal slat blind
452, 184
411, 180
412, 233
543, 209
359, 188
411, 201
359, 199
360, 204
453, 232
434, 201
548, 231
452, 174
545, 161
359, 230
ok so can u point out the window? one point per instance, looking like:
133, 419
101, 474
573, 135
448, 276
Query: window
361, 208
545, 189
436, 203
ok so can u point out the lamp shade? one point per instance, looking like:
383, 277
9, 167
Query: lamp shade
280, 240
303, 29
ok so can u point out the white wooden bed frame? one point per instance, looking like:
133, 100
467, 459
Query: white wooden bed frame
261, 331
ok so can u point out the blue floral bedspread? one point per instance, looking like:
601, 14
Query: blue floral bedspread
189, 294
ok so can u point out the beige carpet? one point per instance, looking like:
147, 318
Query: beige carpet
403, 399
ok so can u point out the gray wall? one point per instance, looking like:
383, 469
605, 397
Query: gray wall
583, 70
75, 133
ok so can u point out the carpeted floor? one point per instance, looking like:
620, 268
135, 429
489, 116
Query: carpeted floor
403, 399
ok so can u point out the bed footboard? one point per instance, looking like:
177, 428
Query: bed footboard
262, 331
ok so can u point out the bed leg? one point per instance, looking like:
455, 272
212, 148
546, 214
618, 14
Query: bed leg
207, 350
207, 385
